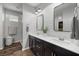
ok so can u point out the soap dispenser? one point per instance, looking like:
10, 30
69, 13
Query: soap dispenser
27, 28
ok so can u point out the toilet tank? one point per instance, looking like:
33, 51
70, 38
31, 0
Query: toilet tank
12, 30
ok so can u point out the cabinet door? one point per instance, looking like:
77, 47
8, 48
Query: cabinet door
48, 49
39, 47
30, 42
63, 52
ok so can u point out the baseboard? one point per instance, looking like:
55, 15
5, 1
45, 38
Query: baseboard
1, 48
25, 48
16, 41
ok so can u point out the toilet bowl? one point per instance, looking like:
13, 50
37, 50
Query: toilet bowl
9, 40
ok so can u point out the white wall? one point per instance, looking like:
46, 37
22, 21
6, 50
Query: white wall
30, 19
1, 26
49, 21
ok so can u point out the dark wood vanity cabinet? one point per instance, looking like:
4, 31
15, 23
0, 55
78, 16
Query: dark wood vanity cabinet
59, 51
32, 44
43, 48
48, 51
39, 47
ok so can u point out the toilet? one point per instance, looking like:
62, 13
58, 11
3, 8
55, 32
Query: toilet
11, 33
9, 40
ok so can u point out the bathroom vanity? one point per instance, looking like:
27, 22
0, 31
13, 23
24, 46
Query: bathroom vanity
43, 45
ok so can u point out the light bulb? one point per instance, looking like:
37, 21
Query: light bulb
59, 17
39, 10
36, 12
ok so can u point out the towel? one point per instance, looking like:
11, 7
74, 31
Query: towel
75, 28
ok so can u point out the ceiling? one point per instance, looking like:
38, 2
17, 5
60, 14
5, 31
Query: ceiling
33, 4
38, 5
31, 7
13, 6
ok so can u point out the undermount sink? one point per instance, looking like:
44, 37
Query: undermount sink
71, 41
68, 41
62, 39
42, 34
65, 40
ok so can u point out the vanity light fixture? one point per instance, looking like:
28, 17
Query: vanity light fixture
38, 11
60, 17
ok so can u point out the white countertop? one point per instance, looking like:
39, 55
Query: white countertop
54, 40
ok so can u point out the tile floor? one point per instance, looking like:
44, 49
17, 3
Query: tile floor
15, 50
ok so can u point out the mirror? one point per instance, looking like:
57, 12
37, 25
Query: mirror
40, 22
63, 16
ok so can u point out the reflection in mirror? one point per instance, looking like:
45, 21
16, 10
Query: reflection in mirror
63, 16
40, 22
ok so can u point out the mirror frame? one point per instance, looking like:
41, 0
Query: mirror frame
54, 18
42, 23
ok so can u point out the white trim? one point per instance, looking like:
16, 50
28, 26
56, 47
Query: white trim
1, 48
16, 41
25, 48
